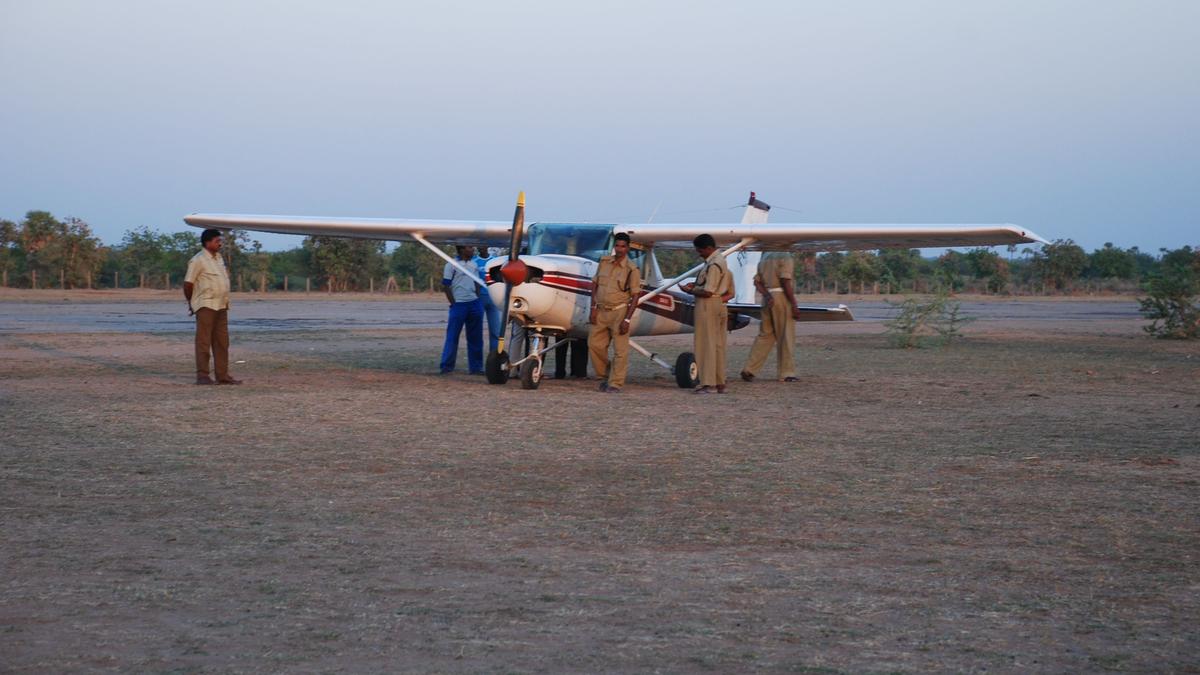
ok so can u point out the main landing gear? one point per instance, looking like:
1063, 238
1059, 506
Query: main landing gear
529, 368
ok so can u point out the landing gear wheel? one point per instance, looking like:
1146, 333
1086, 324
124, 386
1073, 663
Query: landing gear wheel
496, 367
687, 373
531, 374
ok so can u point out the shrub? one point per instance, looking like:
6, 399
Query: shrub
933, 323
1171, 308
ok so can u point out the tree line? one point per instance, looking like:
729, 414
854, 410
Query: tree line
42, 251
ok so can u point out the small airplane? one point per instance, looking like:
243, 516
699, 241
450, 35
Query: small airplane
547, 289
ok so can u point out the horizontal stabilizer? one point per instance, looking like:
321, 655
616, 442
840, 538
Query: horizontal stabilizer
839, 313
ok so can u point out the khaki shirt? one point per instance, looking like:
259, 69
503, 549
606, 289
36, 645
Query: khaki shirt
774, 267
616, 283
715, 277
206, 272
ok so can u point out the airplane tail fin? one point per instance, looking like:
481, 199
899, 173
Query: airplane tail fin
744, 264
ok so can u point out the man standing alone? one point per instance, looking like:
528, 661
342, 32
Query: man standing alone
774, 281
206, 288
713, 288
615, 290
465, 308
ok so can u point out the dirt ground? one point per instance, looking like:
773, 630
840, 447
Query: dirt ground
1025, 500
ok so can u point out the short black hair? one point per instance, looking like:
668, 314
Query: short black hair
208, 235
704, 241
623, 236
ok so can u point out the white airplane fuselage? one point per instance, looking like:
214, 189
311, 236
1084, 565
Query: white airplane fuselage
557, 299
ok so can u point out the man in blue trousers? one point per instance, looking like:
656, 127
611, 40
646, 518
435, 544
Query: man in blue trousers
466, 308
490, 310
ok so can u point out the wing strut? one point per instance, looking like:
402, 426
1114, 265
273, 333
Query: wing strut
746, 241
472, 274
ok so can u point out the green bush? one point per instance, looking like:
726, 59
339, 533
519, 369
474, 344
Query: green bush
1171, 307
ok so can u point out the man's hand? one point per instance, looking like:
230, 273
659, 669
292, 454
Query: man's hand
624, 329
688, 288
767, 300
795, 314
726, 297
592, 316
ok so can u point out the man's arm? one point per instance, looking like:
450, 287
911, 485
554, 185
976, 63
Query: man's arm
791, 297
635, 288
188, 287
592, 296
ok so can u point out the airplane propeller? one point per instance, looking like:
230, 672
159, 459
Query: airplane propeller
514, 272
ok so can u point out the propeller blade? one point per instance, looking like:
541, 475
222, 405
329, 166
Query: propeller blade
513, 271
518, 228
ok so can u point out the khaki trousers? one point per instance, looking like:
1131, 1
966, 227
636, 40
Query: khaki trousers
608, 330
212, 334
778, 330
711, 324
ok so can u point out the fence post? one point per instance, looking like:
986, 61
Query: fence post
262, 282
307, 284
410, 285
371, 285
285, 283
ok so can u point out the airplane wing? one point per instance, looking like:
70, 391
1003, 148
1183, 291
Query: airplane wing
815, 237
491, 232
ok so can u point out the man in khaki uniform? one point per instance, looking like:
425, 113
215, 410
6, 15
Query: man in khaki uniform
713, 288
206, 287
774, 280
615, 290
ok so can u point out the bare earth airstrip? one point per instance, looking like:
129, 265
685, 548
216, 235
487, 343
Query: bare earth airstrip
1026, 500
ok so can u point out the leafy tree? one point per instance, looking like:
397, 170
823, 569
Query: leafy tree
900, 264
36, 233
1171, 302
1112, 262
75, 252
345, 264
950, 268
143, 253
860, 267
1060, 263
8, 248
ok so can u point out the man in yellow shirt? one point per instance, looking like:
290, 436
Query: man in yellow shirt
713, 288
615, 290
206, 287
776, 271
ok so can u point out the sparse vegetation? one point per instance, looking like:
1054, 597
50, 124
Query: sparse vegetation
932, 322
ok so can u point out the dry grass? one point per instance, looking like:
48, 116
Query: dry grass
1025, 500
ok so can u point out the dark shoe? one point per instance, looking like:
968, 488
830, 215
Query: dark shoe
703, 390
791, 379
604, 386
612, 390
720, 389
477, 372
445, 372
204, 379
229, 381
747, 375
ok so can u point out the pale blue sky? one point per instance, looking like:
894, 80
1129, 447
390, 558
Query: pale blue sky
1075, 119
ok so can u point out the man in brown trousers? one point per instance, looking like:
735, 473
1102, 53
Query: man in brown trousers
206, 287
713, 288
615, 290
774, 281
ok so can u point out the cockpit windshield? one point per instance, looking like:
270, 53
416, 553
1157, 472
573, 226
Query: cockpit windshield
586, 241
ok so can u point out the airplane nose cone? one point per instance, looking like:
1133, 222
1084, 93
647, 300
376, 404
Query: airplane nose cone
514, 272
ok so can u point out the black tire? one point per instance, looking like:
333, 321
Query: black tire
531, 374
687, 373
496, 367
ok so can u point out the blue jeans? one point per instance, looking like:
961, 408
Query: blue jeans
492, 312
469, 313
